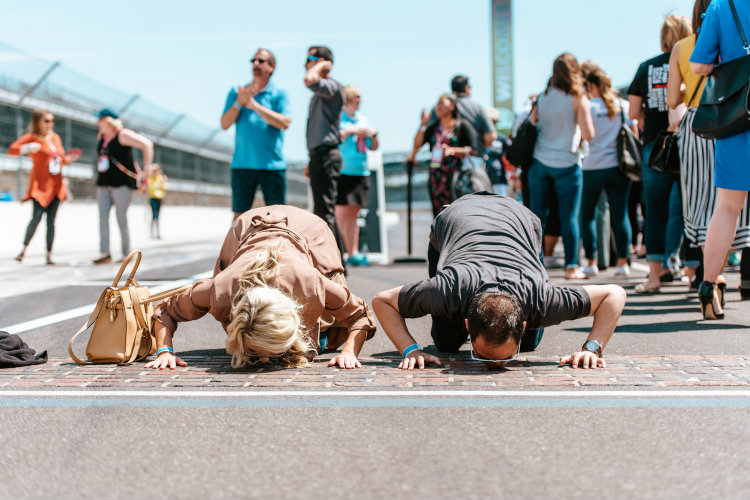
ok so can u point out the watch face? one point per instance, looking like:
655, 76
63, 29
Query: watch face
592, 345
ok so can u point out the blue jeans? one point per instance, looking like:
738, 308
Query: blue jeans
663, 212
617, 187
567, 184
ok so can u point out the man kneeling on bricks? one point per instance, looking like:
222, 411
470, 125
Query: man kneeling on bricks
487, 282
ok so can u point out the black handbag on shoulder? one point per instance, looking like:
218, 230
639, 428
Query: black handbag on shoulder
724, 109
521, 151
665, 157
629, 151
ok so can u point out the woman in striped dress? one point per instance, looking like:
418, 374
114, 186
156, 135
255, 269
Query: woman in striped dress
696, 153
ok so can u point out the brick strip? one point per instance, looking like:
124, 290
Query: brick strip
381, 373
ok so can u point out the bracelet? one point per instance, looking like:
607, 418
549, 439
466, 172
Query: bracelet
410, 349
164, 349
422, 128
237, 105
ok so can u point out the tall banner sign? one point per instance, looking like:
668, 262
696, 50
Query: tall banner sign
502, 63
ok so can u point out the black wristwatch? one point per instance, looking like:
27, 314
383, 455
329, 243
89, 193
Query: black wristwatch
593, 346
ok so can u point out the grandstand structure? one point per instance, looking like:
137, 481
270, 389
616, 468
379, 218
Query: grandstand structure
196, 157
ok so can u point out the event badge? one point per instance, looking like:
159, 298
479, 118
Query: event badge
102, 165
437, 156
55, 166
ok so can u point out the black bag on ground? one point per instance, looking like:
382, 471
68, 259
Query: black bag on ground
629, 151
724, 109
521, 151
665, 157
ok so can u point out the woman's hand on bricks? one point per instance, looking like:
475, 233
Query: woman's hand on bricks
346, 360
419, 359
583, 359
166, 360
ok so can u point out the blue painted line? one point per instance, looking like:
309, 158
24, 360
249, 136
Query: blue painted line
376, 402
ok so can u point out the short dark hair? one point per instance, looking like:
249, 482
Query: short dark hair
322, 51
496, 317
459, 84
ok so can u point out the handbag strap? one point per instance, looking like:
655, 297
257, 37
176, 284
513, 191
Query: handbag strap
85, 327
127, 303
745, 45
125, 262
700, 82
166, 294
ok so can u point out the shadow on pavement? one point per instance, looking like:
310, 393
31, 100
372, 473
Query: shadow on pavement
671, 327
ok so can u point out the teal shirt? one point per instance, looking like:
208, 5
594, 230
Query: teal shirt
258, 145
355, 163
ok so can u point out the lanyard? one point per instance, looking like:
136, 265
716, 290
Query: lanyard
105, 143
439, 138
51, 146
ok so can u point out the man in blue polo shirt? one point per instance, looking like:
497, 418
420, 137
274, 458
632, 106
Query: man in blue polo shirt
260, 112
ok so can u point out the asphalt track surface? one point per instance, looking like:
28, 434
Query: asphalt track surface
668, 419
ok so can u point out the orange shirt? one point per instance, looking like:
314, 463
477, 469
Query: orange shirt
43, 186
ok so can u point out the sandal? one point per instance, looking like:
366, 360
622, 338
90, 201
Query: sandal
575, 274
19, 257
707, 292
49, 262
642, 289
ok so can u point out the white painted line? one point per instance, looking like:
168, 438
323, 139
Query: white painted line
405, 393
51, 319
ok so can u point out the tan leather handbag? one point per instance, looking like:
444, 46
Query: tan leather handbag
122, 321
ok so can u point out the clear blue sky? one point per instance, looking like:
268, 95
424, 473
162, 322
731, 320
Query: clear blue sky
402, 54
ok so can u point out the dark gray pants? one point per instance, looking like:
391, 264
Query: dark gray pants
36, 217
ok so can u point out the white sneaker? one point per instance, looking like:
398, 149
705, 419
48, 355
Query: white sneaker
622, 271
591, 271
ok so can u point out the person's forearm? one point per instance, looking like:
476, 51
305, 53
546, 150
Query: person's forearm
607, 314
228, 118
148, 153
312, 76
418, 141
374, 142
393, 323
271, 117
163, 335
355, 342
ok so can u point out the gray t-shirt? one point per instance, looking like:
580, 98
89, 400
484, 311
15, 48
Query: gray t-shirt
490, 243
324, 113
475, 115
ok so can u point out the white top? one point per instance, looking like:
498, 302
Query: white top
603, 147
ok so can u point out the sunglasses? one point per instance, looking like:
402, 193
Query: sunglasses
312, 58
476, 357
258, 60
48, 121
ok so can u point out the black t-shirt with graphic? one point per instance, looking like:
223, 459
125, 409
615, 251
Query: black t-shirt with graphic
650, 84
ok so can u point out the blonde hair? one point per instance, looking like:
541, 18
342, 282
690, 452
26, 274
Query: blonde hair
350, 92
674, 29
115, 123
266, 317
602, 82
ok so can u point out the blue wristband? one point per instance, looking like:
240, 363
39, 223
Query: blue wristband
411, 348
237, 105
164, 349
